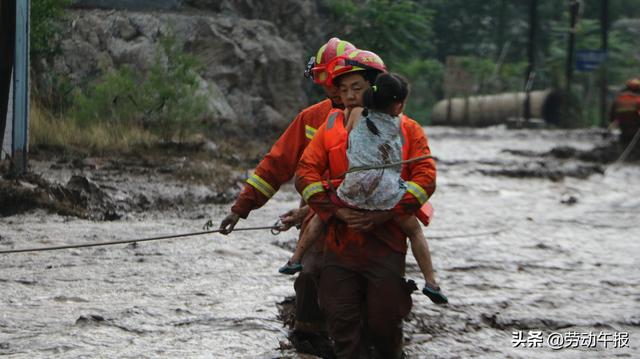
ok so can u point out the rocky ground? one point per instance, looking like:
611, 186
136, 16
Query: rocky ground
109, 187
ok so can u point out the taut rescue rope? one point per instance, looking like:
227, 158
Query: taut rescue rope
41, 249
385, 165
626, 151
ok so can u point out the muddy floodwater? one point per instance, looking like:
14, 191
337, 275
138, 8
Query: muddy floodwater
529, 245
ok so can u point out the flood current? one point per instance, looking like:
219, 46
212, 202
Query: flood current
520, 254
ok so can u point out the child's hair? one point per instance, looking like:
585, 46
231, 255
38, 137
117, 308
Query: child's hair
388, 89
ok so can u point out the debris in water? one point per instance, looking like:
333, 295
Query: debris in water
89, 319
569, 199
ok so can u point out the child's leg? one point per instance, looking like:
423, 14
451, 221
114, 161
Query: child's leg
411, 227
312, 232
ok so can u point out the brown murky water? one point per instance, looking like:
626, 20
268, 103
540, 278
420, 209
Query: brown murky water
563, 257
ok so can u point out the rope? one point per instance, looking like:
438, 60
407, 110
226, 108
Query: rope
626, 151
41, 249
478, 234
385, 165
181, 235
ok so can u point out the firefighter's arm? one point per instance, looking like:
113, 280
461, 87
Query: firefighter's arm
276, 168
313, 163
422, 174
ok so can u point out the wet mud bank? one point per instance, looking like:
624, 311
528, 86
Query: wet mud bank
166, 177
79, 197
511, 253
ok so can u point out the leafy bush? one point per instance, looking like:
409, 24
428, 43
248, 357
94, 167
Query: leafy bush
45, 23
396, 30
164, 100
426, 78
409, 34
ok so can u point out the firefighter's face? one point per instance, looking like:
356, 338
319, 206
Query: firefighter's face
333, 94
352, 86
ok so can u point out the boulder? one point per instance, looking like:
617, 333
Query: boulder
253, 53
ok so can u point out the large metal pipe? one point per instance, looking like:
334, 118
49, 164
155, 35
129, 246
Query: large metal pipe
494, 109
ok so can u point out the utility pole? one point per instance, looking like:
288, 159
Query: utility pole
17, 11
574, 7
604, 46
500, 38
531, 54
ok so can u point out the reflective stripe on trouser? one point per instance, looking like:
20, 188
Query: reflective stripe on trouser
261, 185
310, 190
417, 191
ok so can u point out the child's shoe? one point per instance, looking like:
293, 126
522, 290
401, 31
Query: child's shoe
290, 268
434, 294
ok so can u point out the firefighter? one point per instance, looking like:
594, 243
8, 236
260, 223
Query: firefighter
625, 111
362, 280
278, 167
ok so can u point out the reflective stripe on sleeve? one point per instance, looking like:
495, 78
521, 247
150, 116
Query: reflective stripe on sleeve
332, 120
310, 190
417, 191
309, 131
623, 109
261, 185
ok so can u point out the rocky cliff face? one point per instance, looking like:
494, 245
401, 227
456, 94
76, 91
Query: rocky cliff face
253, 52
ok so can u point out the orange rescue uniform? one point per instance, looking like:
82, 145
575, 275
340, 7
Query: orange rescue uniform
362, 274
626, 113
279, 165
327, 151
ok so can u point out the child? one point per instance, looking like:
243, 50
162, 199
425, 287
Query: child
374, 138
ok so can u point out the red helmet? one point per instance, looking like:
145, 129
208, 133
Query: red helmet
316, 67
633, 84
352, 61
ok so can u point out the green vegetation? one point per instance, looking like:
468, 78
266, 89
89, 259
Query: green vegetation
120, 109
45, 23
490, 40
124, 108
394, 29
165, 100
48, 130
414, 37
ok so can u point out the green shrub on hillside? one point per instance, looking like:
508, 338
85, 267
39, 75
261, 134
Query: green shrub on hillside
45, 16
426, 78
164, 100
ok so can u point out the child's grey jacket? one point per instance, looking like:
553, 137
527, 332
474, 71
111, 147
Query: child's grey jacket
377, 189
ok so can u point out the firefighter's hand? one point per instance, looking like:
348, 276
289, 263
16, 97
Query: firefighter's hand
347, 215
378, 217
293, 217
228, 223
354, 219
363, 221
